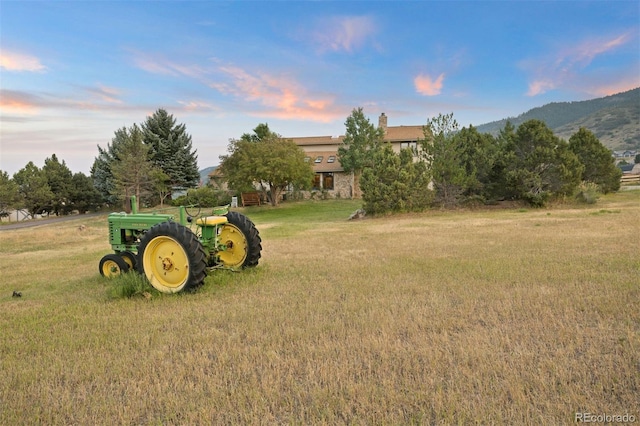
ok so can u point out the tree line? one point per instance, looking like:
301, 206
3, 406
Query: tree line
452, 167
449, 167
149, 160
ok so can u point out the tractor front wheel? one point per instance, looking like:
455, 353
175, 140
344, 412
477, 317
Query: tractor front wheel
130, 259
242, 241
172, 258
112, 265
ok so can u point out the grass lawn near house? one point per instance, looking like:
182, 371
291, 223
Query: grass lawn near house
494, 316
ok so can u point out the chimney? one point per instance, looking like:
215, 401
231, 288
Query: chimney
382, 121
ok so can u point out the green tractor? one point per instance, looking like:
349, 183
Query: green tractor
172, 255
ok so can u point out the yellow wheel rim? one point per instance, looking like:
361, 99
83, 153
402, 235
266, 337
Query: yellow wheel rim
110, 269
166, 264
236, 252
129, 262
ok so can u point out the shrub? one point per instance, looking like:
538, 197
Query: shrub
588, 192
205, 196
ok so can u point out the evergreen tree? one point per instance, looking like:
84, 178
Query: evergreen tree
599, 165
102, 176
131, 171
477, 154
361, 138
395, 182
9, 194
84, 196
443, 152
542, 166
170, 149
59, 179
34, 189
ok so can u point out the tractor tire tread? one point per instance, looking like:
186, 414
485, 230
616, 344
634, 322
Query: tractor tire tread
191, 244
248, 228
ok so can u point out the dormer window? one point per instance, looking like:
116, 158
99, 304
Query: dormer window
331, 159
319, 159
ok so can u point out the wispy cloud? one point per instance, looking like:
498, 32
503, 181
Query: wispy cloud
566, 66
280, 96
95, 98
274, 95
16, 61
156, 64
18, 102
196, 106
106, 94
427, 86
343, 34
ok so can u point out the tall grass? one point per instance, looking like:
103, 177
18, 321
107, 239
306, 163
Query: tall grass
501, 316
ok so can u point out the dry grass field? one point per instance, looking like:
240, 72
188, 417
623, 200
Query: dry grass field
524, 316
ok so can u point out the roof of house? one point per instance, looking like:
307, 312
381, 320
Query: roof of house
324, 161
404, 133
318, 140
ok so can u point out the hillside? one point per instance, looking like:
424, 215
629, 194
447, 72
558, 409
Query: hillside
204, 174
614, 119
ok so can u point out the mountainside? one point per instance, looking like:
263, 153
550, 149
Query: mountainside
615, 119
204, 174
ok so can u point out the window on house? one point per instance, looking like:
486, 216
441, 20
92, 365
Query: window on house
316, 181
327, 180
307, 159
331, 159
405, 145
319, 159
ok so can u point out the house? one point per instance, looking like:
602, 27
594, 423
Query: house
322, 152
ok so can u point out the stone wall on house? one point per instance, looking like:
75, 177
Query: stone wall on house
342, 188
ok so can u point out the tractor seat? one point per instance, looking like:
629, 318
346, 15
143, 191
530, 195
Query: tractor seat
211, 221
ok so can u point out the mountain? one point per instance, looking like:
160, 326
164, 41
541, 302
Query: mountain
615, 119
204, 174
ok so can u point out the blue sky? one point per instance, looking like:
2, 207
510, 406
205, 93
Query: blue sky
73, 72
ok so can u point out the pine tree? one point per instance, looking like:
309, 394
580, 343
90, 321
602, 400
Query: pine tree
360, 140
599, 165
59, 179
170, 149
34, 189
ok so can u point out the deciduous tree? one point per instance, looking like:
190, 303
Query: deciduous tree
267, 160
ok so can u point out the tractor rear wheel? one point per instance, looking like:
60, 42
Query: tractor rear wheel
172, 258
112, 265
242, 239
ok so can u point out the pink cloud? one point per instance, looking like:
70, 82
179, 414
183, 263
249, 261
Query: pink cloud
14, 61
17, 102
565, 68
344, 33
425, 85
277, 96
280, 96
